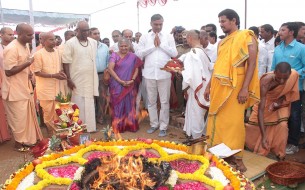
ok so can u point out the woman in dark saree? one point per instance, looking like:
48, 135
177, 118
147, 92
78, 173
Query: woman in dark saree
124, 83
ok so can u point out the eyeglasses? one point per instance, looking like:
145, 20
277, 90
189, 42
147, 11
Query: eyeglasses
116, 36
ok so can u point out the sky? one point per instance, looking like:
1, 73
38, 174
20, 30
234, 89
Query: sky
191, 14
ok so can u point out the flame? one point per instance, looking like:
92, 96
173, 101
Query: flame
118, 136
122, 171
142, 115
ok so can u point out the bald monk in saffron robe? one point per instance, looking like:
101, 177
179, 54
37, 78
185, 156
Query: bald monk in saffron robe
17, 90
7, 35
267, 129
49, 78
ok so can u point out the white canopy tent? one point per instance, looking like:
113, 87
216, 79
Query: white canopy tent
41, 18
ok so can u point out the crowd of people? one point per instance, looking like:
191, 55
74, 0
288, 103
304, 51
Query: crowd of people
222, 77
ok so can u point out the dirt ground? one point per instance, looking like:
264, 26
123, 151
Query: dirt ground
11, 160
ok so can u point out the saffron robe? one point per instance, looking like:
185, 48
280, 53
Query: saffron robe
275, 122
226, 115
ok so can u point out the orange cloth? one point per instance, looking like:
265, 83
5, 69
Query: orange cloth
39, 47
4, 132
48, 88
50, 63
16, 93
226, 115
22, 119
49, 115
18, 86
276, 122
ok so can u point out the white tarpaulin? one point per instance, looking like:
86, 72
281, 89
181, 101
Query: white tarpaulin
41, 18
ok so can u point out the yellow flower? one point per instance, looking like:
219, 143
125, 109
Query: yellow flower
57, 159
75, 119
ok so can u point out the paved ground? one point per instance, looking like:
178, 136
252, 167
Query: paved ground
11, 160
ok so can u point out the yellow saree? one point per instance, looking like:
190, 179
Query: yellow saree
226, 115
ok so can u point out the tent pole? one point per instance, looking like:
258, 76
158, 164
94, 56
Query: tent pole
2, 19
138, 16
246, 7
32, 24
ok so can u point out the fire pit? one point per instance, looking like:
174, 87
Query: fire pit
119, 165
123, 173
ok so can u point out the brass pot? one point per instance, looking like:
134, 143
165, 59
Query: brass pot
198, 148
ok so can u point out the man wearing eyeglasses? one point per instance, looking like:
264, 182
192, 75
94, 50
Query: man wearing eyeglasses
116, 35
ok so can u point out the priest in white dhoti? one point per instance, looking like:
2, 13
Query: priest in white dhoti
79, 65
196, 76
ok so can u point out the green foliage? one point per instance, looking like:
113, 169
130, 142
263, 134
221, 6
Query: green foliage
108, 133
62, 98
54, 143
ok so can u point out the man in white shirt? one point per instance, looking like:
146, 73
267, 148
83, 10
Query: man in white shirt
137, 37
263, 54
116, 35
128, 34
210, 49
266, 32
157, 48
79, 62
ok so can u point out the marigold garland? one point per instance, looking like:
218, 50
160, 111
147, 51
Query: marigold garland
235, 177
94, 147
56, 159
17, 177
141, 146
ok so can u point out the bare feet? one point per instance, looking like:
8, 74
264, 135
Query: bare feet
231, 161
240, 165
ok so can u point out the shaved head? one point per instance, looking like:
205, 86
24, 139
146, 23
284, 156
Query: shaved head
82, 30
192, 38
283, 67
194, 34
25, 33
4, 30
48, 40
41, 35
7, 35
23, 27
82, 25
46, 35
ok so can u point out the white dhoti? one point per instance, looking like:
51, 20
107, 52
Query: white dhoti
196, 75
194, 124
87, 111
82, 66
